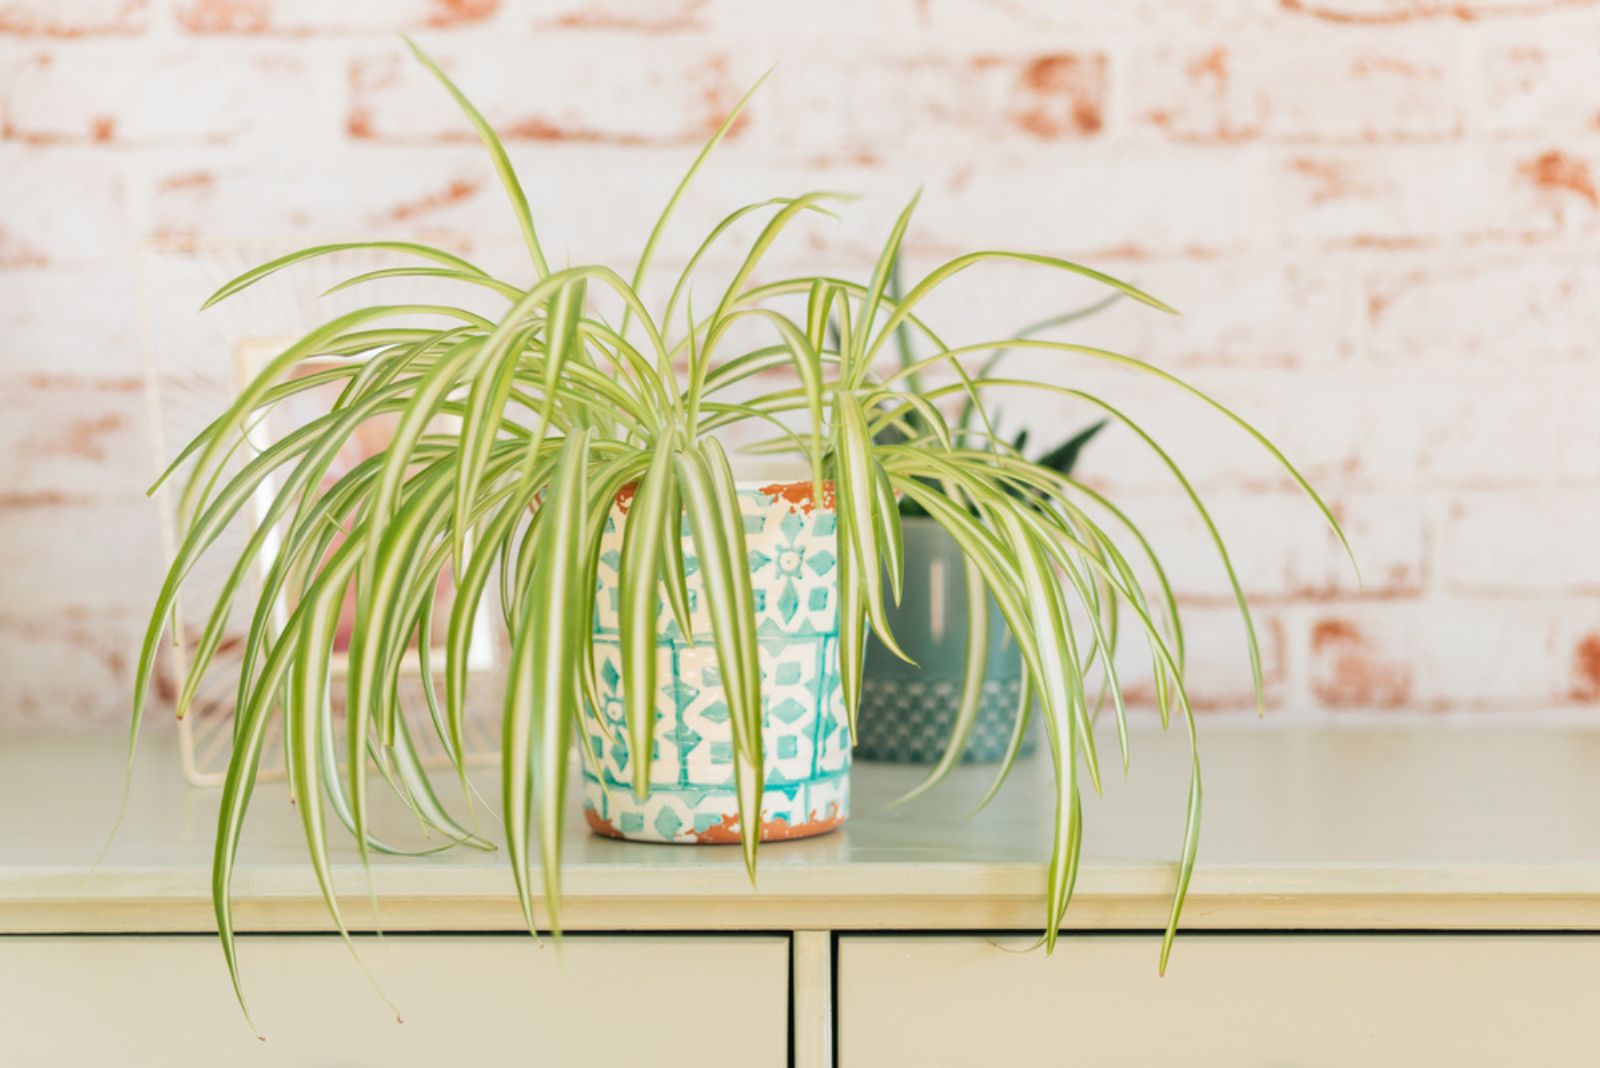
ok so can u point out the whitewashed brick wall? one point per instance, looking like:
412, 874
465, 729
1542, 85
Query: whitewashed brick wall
1380, 217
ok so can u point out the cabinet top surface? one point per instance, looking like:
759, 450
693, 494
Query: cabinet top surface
1477, 812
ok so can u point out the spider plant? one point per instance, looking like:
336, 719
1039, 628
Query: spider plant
575, 388
1060, 459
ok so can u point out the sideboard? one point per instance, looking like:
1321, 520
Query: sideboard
1367, 894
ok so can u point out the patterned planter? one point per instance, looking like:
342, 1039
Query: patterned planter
794, 572
907, 712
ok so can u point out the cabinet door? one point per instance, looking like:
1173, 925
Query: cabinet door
1227, 1000
465, 1000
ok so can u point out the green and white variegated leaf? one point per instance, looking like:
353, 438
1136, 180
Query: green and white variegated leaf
646, 527
542, 692
719, 546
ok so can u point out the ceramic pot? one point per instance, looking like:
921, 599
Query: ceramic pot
794, 575
907, 712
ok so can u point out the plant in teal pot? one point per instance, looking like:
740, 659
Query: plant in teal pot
960, 695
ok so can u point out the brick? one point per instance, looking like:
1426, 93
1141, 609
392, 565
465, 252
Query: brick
350, 192
1217, 662
73, 18
1445, 654
1480, 653
1343, 431
1517, 541
1353, 194
80, 437
112, 94
310, 17
1420, 194
1281, 548
1505, 308
601, 200
1540, 85
70, 669
78, 554
1562, 181
196, 358
1517, 426
647, 97
935, 103
664, 16
1055, 95
1256, 311
1240, 88
17, 252
1148, 200
91, 191
1586, 667
977, 18
920, 102
1392, 12
1351, 667
49, 324
611, 213
588, 201
225, 16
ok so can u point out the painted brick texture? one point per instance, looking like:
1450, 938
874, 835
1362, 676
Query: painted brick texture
1378, 216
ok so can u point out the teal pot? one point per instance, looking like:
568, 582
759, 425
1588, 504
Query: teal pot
907, 712
794, 574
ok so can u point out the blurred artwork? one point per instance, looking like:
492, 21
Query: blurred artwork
194, 364
369, 439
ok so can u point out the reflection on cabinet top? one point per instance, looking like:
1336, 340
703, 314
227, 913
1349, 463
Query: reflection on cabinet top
1434, 825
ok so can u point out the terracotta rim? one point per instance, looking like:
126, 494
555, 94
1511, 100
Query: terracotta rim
798, 495
727, 832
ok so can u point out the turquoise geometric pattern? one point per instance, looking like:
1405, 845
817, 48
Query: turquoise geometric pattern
794, 574
908, 709
909, 720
